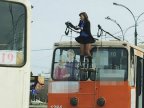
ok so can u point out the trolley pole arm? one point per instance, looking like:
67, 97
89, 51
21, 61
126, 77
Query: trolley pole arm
108, 33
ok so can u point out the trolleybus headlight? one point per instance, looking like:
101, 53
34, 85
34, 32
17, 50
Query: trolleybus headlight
74, 101
101, 101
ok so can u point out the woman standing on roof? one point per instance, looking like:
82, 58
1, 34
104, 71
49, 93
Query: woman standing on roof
85, 39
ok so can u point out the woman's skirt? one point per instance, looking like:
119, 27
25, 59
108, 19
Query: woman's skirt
85, 39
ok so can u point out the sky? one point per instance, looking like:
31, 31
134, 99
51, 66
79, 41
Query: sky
49, 17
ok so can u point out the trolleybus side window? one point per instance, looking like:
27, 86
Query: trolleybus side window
139, 82
65, 64
12, 33
111, 64
132, 68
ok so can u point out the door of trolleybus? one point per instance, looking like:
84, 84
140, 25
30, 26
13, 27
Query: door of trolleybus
107, 86
14, 46
111, 77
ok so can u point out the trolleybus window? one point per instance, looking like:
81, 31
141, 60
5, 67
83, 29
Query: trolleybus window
110, 63
65, 64
12, 33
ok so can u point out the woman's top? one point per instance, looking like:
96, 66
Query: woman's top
85, 28
85, 33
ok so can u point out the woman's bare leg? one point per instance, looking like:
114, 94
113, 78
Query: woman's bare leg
81, 49
87, 49
81, 55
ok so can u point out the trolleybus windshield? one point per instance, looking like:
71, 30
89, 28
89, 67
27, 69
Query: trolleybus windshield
12, 33
110, 64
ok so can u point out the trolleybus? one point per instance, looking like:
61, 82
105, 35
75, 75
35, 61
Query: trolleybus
116, 82
14, 53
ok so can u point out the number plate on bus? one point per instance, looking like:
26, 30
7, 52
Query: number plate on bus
8, 57
56, 106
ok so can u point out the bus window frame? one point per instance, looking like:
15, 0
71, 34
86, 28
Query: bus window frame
126, 76
25, 38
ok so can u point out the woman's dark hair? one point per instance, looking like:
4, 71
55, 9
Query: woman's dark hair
85, 16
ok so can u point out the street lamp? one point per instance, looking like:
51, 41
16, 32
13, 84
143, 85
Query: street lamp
128, 28
132, 26
139, 16
135, 34
108, 18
